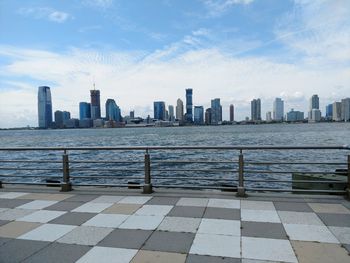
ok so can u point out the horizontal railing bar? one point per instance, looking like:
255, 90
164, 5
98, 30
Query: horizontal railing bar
29, 161
295, 163
33, 176
295, 181
103, 169
106, 176
193, 178
292, 172
335, 147
87, 161
194, 170
194, 161
30, 169
30, 183
95, 184
197, 187
296, 190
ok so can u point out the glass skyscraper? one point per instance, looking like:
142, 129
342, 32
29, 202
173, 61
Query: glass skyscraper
278, 109
198, 115
44, 107
84, 110
216, 111
95, 104
189, 105
179, 110
255, 110
112, 111
159, 110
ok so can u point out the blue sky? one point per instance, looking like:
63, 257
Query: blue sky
141, 51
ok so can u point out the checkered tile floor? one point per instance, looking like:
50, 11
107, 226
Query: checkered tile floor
42, 227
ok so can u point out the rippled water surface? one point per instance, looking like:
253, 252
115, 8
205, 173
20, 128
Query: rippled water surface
324, 134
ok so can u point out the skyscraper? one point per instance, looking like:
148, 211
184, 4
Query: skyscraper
216, 111
44, 107
329, 111
208, 116
198, 115
345, 109
84, 110
278, 109
179, 110
171, 113
314, 105
336, 111
95, 104
255, 110
159, 110
189, 106
232, 113
112, 111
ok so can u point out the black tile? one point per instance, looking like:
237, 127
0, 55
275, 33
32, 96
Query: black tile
187, 211
222, 213
126, 238
342, 220
263, 230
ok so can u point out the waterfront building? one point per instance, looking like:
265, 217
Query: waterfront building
112, 111
179, 110
189, 106
132, 114
159, 110
345, 109
85, 123
337, 111
255, 107
208, 116
314, 104
95, 104
59, 119
295, 116
171, 113
198, 115
329, 111
71, 123
268, 116
216, 111
44, 107
84, 110
98, 123
315, 115
278, 109
232, 113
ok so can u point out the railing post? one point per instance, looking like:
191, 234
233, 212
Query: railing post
66, 184
240, 188
147, 187
348, 186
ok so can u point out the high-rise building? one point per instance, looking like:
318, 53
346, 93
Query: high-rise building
294, 116
61, 118
171, 113
198, 115
255, 106
345, 109
314, 104
95, 104
278, 109
329, 111
179, 110
337, 111
84, 110
44, 107
159, 110
232, 113
112, 111
189, 106
132, 114
315, 115
216, 111
268, 116
208, 116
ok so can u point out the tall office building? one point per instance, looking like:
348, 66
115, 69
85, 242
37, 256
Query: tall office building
132, 114
112, 111
159, 110
84, 110
198, 115
329, 111
345, 109
95, 104
232, 113
255, 107
179, 110
44, 107
295, 116
61, 118
171, 113
314, 104
216, 111
189, 106
268, 116
207, 120
336, 111
278, 109
315, 115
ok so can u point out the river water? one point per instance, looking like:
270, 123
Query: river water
321, 134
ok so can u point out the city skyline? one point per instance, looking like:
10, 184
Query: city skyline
232, 50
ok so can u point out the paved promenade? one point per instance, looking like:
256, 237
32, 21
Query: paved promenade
40, 224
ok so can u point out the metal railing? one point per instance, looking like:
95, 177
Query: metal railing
239, 178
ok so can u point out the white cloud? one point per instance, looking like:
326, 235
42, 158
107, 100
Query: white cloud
98, 3
217, 8
45, 13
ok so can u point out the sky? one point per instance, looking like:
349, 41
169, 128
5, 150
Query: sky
137, 52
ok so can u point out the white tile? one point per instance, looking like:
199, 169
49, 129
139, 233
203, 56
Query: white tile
41, 216
154, 210
260, 216
47, 232
13, 214
180, 224
106, 220
92, 207
142, 222
309, 233
107, 199
192, 202
224, 203
302, 218
267, 249
257, 205
135, 200
216, 245
220, 227
107, 255
341, 233
11, 195
37, 204
85, 235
